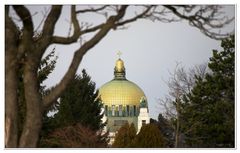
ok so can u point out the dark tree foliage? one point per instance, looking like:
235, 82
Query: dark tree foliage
125, 136
209, 111
79, 104
166, 129
46, 67
149, 137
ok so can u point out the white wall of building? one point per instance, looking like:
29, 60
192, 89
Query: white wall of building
143, 117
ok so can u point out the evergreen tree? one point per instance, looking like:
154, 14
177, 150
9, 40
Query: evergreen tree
149, 137
209, 109
164, 125
125, 136
79, 104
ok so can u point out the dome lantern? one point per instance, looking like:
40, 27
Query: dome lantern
119, 70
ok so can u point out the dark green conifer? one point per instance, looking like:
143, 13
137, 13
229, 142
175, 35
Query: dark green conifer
209, 109
149, 137
125, 136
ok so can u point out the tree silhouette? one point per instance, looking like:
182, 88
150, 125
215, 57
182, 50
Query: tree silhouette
209, 108
149, 137
125, 136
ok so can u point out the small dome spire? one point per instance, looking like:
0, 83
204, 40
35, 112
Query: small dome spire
119, 70
119, 65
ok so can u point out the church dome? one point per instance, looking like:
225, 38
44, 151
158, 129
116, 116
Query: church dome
120, 91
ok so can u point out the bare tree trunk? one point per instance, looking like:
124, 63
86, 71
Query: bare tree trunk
11, 119
177, 136
33, 123
11, 84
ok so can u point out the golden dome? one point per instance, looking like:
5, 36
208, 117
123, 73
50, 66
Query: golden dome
121, 92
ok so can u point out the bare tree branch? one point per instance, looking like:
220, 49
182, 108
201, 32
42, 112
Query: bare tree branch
153, 12
80, 32
94, 10
50, 22
77, 31
180, 84
205, 19
27, 33
48, 28
43, 19
141, 15
51, 98
26, 18
69, 40
159, 13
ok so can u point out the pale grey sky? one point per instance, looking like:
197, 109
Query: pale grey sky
149, 50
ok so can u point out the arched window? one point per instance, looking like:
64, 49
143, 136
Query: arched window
113, 110
109, 112
134, 110
117, 111
120, 110
127, 112
124, 111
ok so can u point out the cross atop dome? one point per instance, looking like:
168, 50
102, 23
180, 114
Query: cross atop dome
119, 54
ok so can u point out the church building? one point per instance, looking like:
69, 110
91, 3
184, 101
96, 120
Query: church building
124, 101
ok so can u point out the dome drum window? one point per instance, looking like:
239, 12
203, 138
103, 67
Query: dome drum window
121, 111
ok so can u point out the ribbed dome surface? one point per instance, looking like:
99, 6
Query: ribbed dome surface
121, 92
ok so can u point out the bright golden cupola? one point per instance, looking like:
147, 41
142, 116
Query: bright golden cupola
123, 101
119, 70
121, 91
